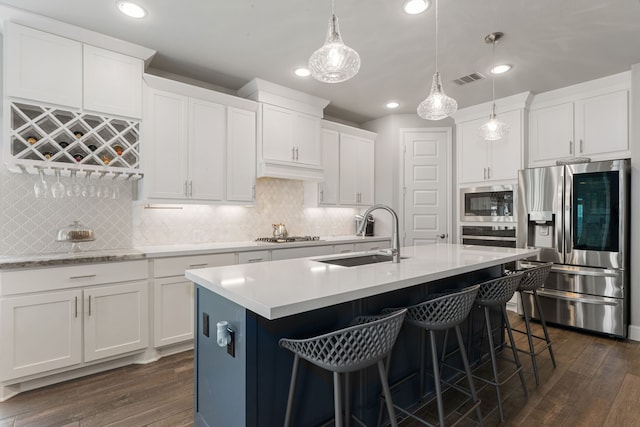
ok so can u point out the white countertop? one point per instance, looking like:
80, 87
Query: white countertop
281, 288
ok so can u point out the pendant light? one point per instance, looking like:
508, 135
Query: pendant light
493, 129
334, 62
438, 105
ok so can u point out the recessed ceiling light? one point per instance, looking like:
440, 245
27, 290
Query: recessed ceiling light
414, 7
392, 104
302, 72
499, 69
131, 9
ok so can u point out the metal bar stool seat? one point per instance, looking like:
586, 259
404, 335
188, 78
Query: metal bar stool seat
440, 313
367, 342
532, 280
494, 294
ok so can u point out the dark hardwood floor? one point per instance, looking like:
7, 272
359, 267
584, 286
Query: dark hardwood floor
596, 383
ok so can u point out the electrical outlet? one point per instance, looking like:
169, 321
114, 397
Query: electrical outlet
205, 324
231, 345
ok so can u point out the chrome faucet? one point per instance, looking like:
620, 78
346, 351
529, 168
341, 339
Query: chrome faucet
395, 249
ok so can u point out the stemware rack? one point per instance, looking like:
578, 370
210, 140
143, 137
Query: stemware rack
53, 139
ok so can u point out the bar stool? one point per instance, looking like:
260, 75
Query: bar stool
440, 313
494, 294
351, 349
532, 280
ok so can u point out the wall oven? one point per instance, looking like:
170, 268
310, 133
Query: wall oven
495, 203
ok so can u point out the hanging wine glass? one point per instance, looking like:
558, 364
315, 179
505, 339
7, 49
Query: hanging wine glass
41, 188
57, 188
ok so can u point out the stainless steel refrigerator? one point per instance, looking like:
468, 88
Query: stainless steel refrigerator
577, 215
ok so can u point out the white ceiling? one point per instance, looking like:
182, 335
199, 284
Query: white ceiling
550, 43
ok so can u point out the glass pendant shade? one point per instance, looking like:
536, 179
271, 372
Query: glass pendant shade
493, 129
438, 104
334, 62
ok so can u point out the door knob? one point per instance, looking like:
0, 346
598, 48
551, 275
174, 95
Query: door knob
442, 236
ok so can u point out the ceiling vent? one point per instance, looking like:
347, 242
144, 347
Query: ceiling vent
469, 78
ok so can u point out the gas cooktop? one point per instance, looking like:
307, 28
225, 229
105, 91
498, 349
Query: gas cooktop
288, 239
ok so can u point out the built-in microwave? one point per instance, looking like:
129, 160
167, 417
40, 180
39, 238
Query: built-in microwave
496, 203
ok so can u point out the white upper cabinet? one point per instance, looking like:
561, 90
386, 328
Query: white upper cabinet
348, 161
43, 67
483, 161
356, 170
328, 188
241, 155
290, 139
165, 156
586, 120
56, 70
289, 131
194, 149
112, 82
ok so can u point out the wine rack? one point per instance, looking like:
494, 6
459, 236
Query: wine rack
45, 137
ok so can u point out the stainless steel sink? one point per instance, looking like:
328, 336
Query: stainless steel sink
354, 261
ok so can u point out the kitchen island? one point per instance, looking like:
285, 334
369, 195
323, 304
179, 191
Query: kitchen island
305, 297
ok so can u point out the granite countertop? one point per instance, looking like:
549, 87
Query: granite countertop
281, 288
145, 252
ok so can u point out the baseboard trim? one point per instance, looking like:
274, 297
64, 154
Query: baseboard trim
634, 333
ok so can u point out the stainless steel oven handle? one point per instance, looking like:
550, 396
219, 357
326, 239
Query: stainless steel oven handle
570, 296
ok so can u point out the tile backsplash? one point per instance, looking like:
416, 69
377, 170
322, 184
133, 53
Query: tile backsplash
29, 224
277, 201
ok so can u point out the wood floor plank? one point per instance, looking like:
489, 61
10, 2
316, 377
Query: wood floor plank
624, 411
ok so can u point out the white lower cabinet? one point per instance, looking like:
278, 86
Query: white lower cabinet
40, 333
173, 296
55, 318
116, 320
173, 304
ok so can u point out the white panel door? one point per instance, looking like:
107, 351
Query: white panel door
112, 82
165, 155
427, 160
173, 311
207, 150
43, 67
39, 333
241, 155
116, 320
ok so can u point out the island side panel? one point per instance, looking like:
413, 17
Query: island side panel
220, 380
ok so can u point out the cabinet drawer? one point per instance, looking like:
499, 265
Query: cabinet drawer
303, 252
372, 246
175, 266
253, 256
46, 279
